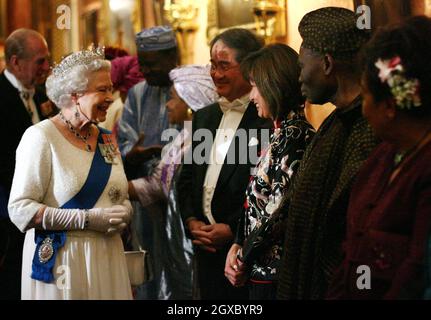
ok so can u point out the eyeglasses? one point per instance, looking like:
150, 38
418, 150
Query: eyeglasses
222, 67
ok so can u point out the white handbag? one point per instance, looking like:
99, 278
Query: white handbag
139, 266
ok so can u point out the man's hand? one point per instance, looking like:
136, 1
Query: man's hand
204, 243
195, 224
218, 234
140, 154
234, 269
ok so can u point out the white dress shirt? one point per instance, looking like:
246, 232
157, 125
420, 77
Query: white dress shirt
232, 115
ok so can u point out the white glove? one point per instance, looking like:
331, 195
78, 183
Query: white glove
63, 219
106, 220
109, 220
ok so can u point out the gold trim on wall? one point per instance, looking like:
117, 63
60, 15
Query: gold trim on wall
104, 22
137, 17
90, 24
213, 27
3, 20
119, 30
427, 5
280, 26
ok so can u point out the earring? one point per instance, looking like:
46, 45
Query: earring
77, 115
189, 112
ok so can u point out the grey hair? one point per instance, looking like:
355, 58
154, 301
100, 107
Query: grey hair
17, 43
61, 87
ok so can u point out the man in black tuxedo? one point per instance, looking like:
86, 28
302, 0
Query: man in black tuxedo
26, 55
212, 194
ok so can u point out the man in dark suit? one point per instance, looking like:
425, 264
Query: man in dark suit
26, 55
212, 194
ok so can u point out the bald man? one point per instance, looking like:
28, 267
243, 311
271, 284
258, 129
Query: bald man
26, 57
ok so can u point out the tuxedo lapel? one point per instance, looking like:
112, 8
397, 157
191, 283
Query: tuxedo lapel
250, 120
14, 120
209, 121
14, 107
214, 119
39, 98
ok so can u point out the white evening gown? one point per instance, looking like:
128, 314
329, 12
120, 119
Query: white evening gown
50, 170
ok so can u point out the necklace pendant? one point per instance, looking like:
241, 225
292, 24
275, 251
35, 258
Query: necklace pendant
76, 133
46, 250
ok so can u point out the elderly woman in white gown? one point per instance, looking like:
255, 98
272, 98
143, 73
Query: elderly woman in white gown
69, 192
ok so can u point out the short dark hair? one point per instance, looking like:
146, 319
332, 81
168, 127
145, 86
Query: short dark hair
411, 41
275, 71
243, 41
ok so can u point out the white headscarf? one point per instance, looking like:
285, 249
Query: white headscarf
194, 85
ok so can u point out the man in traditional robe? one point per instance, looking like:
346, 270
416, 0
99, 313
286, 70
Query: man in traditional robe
140, 136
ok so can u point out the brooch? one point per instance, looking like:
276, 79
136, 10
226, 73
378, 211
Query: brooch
46, 250
114, 194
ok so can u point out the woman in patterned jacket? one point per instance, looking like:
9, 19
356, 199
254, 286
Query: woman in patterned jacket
273, 73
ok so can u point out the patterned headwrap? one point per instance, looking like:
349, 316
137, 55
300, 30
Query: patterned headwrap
194, 85
156, 38
332, 30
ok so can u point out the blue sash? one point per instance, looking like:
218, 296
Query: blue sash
86, 198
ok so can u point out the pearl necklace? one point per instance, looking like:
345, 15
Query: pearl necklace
76, 133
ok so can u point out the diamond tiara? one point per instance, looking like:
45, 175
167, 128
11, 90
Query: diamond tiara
83, 57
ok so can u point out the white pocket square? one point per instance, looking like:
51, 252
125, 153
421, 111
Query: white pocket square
253, 142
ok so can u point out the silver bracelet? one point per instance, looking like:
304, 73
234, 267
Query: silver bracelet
86, 218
